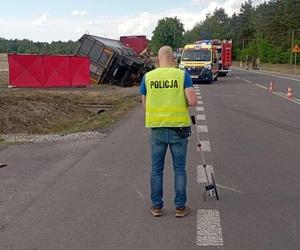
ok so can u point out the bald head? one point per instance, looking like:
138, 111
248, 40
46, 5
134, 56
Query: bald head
165, 56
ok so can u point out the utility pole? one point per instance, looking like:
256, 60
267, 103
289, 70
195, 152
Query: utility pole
292, 45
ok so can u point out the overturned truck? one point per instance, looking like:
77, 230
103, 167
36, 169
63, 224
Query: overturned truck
111, 62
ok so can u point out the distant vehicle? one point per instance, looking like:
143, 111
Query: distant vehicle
137, 43
224, 55
200, 61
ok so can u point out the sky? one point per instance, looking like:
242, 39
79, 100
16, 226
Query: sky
46, 21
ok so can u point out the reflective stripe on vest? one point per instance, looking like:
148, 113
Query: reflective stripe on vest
166, 105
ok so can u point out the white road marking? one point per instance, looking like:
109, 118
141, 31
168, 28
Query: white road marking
138, 191
201, 117
202, 129
229, 188
283, 77
199, 97
295, 100
205, 146
246, 80
237, 77
201, 176
209, 231
199, 102
279, 94
199, 108
283, 94
261, 86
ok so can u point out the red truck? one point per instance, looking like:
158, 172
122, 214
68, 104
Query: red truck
224, 52
137, 43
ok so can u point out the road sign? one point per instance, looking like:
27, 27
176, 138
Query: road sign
296, 49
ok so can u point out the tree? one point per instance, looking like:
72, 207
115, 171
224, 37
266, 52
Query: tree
169, 31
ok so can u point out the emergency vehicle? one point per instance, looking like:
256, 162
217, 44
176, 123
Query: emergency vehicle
200, 61
224, 54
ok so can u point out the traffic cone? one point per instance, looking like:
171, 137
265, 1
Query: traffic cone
271, 87
289, 93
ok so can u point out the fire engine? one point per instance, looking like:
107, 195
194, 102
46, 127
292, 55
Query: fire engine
224, 53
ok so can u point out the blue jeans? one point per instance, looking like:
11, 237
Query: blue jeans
160, 139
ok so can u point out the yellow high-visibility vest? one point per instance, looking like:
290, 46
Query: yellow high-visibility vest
166, 104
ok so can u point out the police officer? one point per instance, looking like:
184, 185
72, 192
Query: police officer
166, 94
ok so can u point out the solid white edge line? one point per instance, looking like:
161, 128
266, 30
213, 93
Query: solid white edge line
295, 100
283, 77
209, 231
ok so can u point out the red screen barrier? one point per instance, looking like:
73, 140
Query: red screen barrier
44, 71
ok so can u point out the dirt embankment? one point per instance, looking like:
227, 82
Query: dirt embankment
32, 111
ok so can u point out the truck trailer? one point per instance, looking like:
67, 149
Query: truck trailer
137, 43
112, 62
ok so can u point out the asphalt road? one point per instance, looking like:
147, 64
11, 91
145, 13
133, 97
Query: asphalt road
95, 194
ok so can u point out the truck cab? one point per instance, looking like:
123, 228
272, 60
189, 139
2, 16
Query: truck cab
200, 61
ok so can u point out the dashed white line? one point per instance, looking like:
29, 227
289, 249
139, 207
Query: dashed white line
205, 146
199, 108
201, 117
209, 231
261, 86
247, 80
199, 97
199, 102
202, 129
201, 176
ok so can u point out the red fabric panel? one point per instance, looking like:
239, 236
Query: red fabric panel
80, 71
48, 71
25, 70
57, 73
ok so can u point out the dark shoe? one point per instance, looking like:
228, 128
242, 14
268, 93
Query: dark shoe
156, 212
181, 212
